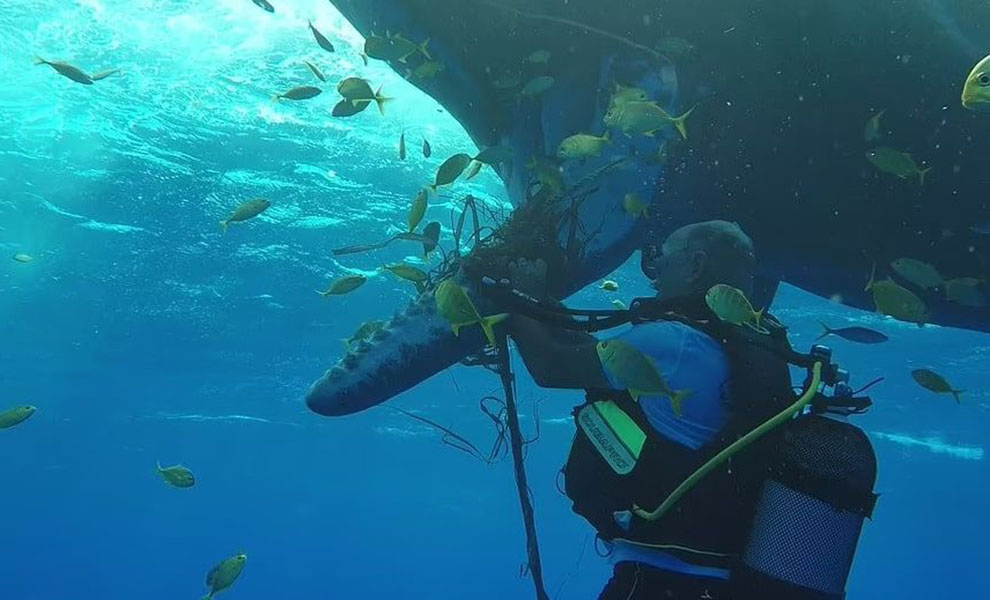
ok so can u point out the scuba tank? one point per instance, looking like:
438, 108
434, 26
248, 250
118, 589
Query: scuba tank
811, 508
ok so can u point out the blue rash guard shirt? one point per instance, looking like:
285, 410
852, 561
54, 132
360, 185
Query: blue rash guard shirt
689, 360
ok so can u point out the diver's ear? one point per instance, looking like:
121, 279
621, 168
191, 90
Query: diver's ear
697, 263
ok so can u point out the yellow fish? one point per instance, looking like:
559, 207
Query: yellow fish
409, 273
872, 131
344, 285
635, 207
917, 272
930, 380
976, 89
581, 145
417, 210
609, 286
247, 210
15, 416
645, 118
897, 301
966, 291
454, 305
732, 306
451, 169
224, 575
897, 163
177, 476
619, 304
623, 94
637, 372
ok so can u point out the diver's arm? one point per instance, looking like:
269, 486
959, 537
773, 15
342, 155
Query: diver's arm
558, 358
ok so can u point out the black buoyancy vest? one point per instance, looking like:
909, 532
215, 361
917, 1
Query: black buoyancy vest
708, 526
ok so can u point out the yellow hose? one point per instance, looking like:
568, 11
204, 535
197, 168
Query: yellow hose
734, 448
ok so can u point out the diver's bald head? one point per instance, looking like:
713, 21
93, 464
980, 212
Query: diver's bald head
698, 256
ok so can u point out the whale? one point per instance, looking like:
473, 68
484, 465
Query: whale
782, 92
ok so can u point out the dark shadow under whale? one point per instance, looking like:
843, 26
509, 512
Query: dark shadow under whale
784, 90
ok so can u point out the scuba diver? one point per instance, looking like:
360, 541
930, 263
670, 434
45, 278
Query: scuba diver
732, 535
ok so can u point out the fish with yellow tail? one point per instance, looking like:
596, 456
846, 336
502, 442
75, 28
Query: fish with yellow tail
637, 373
176, 476
895, 300
344, 285
15, 416
454, 305
222, 576
976, 89
933, 382
582, 145
417, 210
645, 118
732, 306
358, 92
247, 210
897, 163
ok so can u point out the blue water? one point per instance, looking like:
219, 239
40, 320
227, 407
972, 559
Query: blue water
142, 334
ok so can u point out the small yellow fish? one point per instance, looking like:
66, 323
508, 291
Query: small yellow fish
427, 70
344, 285
66, 70
15, 416
918, 272
895, 162
224, 575
407, 272
619, 304
645, 118
896, 301
872, 131
176, 476
540, 57
247, 210
537, 86
732, 306
966, 291
23, 258
451, 169
932, 381
623, 94
316, 71
581, 145
358, 91
637, 373
635, 207
417, 210
609, 286
456, 306
302, 92
976, 90
547, 173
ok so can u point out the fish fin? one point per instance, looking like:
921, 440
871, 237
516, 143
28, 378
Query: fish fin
955, 394
679, 122
457, 328
324, 294
634, 394
488, 325
364, 57
922, 173
828, 331
677, 401
424, 50
757, 316
223, 227
873, 274
158, 465
381, 100
40, 61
